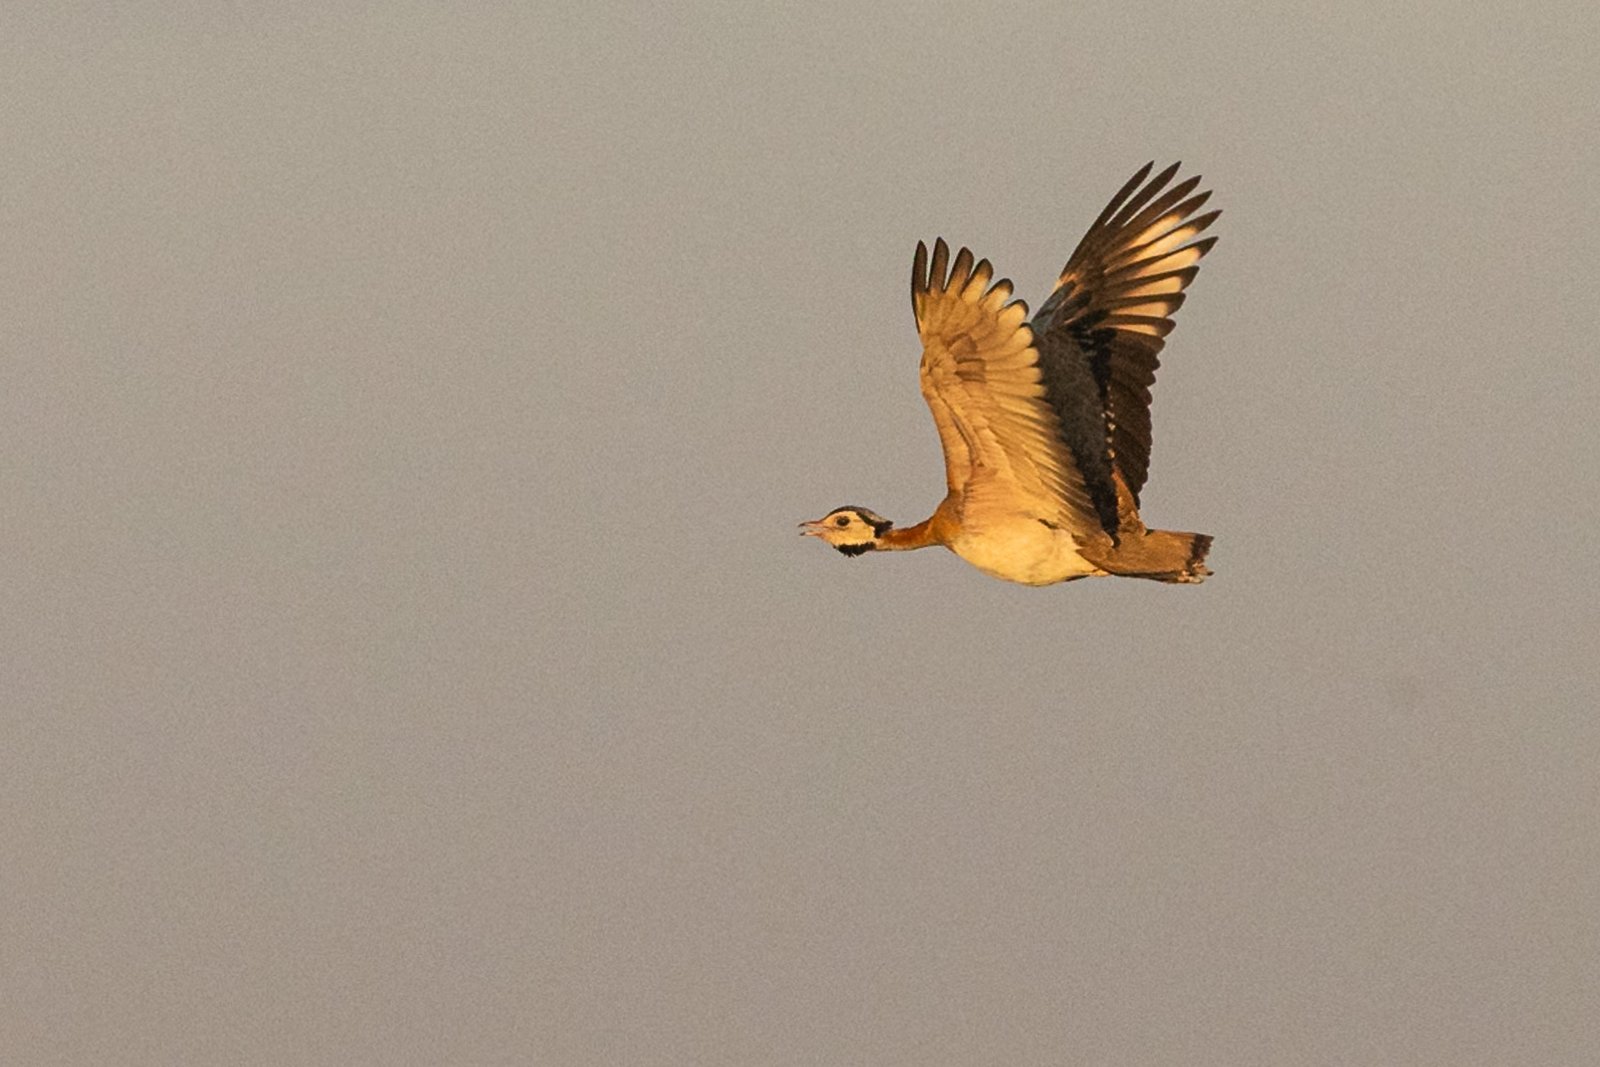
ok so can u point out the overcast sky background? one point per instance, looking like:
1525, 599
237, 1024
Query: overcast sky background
405, 411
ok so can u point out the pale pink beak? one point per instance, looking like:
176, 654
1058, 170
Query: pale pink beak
814, 528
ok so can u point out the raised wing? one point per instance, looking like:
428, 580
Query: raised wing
981, 379
1112, 309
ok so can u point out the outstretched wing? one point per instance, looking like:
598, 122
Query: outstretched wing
1112, 309
981, 379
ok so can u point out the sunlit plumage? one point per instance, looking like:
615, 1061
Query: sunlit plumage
1045, 422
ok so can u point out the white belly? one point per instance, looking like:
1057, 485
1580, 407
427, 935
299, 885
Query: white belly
1024, 550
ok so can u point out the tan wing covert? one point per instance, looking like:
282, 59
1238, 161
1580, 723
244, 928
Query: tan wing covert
981, 380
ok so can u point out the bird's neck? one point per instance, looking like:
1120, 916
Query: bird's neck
919, 536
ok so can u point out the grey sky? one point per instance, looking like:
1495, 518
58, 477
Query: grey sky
409, 657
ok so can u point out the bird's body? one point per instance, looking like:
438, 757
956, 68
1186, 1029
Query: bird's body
1045, 423
1021, 549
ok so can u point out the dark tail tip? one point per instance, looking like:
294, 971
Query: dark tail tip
1197, 554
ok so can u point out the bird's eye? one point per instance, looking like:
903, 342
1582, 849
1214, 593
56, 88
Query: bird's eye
841, 521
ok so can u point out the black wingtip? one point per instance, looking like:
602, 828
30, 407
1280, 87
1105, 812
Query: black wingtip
1136, 203
1123, 193
961, 269
1203, 222
941, 261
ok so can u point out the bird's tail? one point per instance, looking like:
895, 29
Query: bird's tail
1162, 556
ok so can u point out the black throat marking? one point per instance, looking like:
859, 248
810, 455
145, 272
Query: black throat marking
855, 550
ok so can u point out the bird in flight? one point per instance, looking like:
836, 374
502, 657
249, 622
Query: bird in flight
1045, 422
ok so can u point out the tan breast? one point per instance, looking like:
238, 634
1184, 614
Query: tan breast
1022, 550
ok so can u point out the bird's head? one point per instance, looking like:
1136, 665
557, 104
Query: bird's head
851, 530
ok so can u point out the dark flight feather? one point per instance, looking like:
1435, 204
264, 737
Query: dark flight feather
1106, 322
